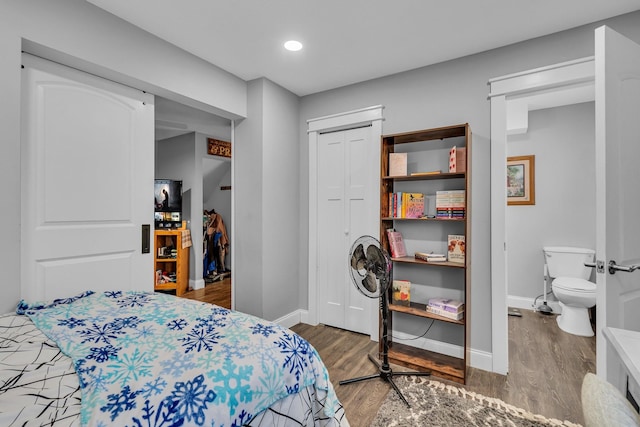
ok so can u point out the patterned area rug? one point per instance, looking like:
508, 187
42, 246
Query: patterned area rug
437, 404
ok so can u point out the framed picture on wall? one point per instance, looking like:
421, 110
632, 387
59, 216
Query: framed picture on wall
521, 180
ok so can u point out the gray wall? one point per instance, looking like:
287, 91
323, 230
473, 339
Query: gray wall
450, 93
248, 201
266, 199
564, 214
80, 34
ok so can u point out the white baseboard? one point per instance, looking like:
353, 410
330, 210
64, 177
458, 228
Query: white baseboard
291, 319
196, 284
527, 303
479, 359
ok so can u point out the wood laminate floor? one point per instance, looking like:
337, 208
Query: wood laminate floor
218, 293
546, 365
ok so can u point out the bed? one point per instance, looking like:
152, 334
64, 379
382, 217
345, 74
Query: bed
132, 358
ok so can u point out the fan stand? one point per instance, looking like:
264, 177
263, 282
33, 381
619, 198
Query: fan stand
384, 370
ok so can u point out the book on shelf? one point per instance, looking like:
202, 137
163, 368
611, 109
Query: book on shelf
406, 205
397, 164
415, 205
457, 159
444, 313
396, 244
397, 204
446, 304
436, 172
401, 294
456, 248
430, 257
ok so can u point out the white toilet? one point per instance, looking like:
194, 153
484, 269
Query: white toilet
571, 287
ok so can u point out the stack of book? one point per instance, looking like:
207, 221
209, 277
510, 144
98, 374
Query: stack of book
450, 204
449, 308
430, 257
406, 205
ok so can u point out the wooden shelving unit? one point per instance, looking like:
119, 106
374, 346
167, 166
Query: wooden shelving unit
172, 263
426, 151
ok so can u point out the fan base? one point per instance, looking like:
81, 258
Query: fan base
386, 373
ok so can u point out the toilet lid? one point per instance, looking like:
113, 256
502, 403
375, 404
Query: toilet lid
574, 284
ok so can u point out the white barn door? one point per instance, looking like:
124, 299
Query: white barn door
87, 183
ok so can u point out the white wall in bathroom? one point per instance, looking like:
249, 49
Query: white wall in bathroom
563, 141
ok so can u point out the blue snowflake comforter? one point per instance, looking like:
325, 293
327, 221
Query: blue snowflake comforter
147, 359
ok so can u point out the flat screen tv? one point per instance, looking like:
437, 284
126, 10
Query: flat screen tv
168, 203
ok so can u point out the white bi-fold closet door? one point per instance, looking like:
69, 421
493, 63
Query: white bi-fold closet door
87, 183
346, 211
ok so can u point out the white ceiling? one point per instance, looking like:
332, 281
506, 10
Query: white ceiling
348, 41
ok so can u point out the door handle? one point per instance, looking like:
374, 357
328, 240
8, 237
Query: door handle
613, 267
590, 264
146, 238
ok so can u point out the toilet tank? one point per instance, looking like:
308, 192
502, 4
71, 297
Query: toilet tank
566, 261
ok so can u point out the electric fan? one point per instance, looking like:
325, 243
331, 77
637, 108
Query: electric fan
370, 268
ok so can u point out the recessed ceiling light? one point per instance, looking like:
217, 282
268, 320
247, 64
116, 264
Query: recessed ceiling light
293, 45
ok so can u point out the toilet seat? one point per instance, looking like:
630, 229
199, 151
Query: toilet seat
573, 284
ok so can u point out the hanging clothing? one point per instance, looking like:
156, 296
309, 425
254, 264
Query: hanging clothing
217, 225
216, 244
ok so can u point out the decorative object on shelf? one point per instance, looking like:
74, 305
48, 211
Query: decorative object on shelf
521, 180
397, 164
456, 248
457, 159
371, 274
401, 292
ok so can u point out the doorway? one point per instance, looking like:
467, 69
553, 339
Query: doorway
181, 148
512, 97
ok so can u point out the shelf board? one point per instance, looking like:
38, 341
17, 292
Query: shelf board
428, 134
418, 309
166, 286
413, 260
440, 365
389, 218
445, 175
166, 259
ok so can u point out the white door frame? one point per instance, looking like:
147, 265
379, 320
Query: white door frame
512, 97
341, 121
